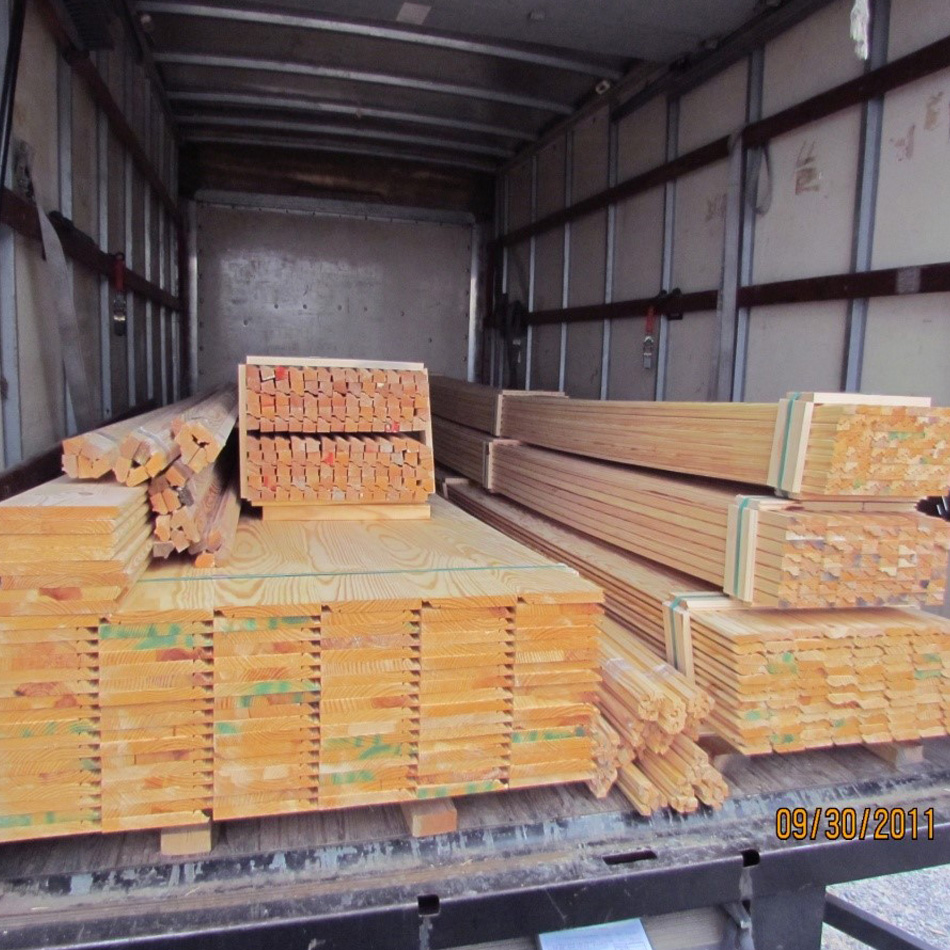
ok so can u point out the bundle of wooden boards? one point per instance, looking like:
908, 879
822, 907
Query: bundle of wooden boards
781, 679
807, 445
655, 709
327, 666
785, 556
316, 435
182, 452
467, 422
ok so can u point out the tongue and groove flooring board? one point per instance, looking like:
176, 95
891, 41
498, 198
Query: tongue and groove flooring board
156, 694
465, 450
474, 405
635, 589
71, 547
787, 681
767, 551
328, 666
808, 445
321, 434
49, 728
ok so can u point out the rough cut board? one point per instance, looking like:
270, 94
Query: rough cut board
474, 405
416, 660
785, 555
809, 445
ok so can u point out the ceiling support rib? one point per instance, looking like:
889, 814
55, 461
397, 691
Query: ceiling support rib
304, 21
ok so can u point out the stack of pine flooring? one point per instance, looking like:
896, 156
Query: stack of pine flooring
809, 445
320, 434
786, 556
467, 422
71, 548
327, 666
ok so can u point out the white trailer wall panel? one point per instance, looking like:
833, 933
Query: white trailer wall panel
549, 268
588, 257
42, 390
908, 338
273, 282
714, 109
808, 230
641, 145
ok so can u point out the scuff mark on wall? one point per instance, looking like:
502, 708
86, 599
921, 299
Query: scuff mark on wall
932, 111
807, 175
904, 145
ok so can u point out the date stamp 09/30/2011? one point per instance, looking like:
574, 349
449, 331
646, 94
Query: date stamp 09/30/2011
854, 824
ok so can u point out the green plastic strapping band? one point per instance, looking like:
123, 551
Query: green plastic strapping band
743, 505
788, 432
674, 603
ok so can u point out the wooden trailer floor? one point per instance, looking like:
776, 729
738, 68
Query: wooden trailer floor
360, 860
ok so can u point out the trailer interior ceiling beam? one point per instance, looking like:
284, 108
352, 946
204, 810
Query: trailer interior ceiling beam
538, 56
327, 106
354, 131
362, 76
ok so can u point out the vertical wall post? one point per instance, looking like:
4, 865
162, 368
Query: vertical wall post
130, 327
193, 296
105, 305
566, 274
474, 286
504, 218
163, 247
612, 148
869, 165
532, 271
12, 448
147, 240
669, 223
64, 148
753, 112
176, 315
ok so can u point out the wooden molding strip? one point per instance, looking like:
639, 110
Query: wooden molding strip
23, 217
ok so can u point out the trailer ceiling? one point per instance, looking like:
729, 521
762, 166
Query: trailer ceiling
476, 81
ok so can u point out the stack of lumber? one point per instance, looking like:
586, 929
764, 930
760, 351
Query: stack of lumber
467, 420
465, 450
71, 548
658, 712
321, 396
49, 727
339, 468
808, 445
635, 589
781, 680
790, 680
266, 715
180, 451
786, 555
155, 699
202, 430
326, 666
201, 515
320, 435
